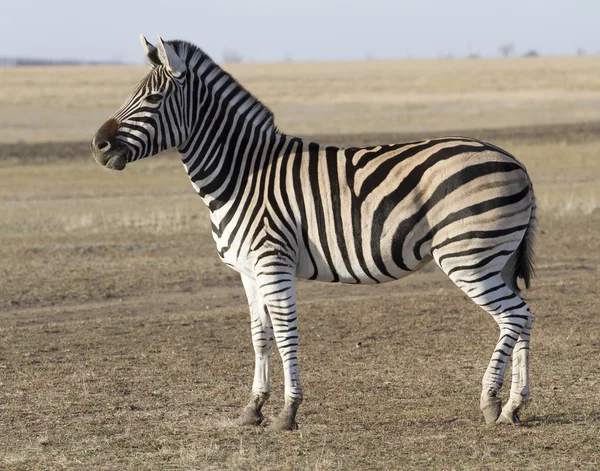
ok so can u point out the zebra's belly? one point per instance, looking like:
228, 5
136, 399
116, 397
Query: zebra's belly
333, 268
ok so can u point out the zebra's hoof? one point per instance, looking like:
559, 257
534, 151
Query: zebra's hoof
286, 419
283, 424
510, 411
491, 407
504, 419
249, 417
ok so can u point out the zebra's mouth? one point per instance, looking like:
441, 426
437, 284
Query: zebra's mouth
118, 162
114, 159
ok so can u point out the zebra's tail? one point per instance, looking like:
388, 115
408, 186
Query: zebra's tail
524, 265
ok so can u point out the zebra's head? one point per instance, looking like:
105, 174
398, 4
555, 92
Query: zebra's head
151, 119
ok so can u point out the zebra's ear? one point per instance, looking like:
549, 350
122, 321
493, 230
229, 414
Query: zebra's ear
169, 58
150, 51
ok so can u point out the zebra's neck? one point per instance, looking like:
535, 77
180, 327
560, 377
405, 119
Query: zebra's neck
230, 134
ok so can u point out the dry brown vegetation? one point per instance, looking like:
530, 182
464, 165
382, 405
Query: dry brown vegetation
124, 342
66, 104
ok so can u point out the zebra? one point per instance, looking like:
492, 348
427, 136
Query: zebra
284, 208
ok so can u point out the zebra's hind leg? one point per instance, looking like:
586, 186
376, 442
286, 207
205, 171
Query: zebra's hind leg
488, 290
262, 340
519, 391
513, 316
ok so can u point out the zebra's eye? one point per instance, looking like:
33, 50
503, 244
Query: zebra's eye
154, 98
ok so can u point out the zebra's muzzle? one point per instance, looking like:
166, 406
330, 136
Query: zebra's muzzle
115, 159
107, 149
118, 162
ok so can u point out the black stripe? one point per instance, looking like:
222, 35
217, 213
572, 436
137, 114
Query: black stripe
313, 178
491, 290
482, 278
482, 263
463, 253
274, 206
331, 156
504, 298
356, 215
479, 235
298, 190
285, 196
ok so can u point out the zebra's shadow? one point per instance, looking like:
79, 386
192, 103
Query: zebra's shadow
561, 418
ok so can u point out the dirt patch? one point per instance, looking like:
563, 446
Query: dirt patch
155, 381
567, 133
549, 133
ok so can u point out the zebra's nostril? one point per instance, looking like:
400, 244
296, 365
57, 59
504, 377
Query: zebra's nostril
104, 146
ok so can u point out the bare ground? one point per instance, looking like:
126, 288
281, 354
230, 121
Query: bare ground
124, 342
34, 153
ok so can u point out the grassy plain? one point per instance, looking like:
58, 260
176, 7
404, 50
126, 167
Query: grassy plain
66, 104
124, 342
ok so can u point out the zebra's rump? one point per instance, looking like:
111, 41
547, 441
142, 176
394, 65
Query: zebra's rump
379, 213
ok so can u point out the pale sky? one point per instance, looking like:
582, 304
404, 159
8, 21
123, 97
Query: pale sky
270, 30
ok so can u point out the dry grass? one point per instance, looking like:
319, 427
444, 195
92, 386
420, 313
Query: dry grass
346, 97
124, 342
152, 381
566, 176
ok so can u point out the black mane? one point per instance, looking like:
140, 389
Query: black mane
193, 55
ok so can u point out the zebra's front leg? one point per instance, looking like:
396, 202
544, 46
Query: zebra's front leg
278, 291
262, 339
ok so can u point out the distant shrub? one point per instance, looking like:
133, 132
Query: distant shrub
231, 56
506, 49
